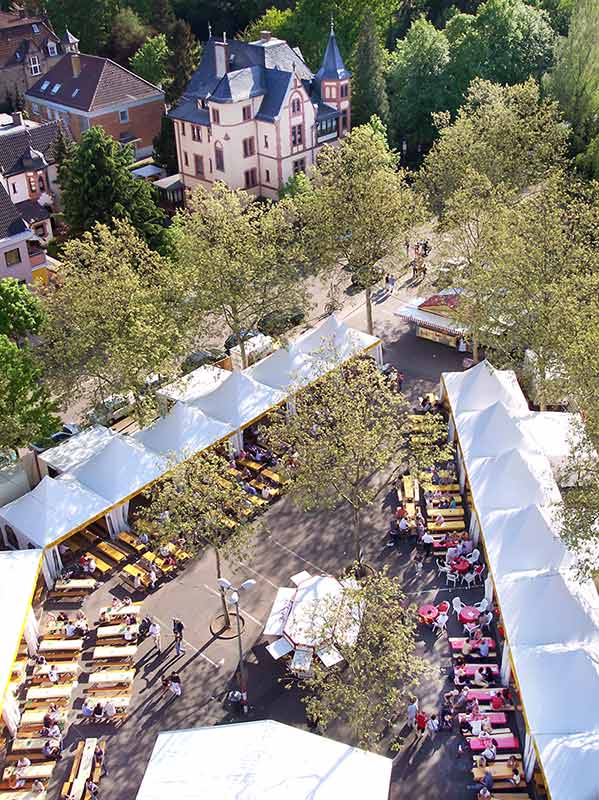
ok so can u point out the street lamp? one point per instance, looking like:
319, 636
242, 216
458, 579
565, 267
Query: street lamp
232, 596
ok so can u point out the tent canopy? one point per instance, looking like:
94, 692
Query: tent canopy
570, 764
492, 431
334, 341
558, 434
192, 386
79, 448
284, 369
481, 386
239, 400
258, 761
18, 576
54, 508
183, 432
122, 468
314, 600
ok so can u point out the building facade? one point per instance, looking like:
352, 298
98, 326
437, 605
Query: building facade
254, 115
28, 48
21, 255
83, 91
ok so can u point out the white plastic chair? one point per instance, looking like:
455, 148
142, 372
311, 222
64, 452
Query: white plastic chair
483, 605
442, 569
470, 627
440, 623
457, 604
451, 578
469, 579
478, 574
474, 556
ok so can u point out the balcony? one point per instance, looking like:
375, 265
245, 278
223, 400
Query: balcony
37, 256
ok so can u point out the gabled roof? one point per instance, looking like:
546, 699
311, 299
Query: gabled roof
332, 67
240, 84
492, 431
481, 386
239, 400
68, 37
100, 82
17, 37
11, 222
15, 146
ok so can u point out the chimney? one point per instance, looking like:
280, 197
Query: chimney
76, 64
265, 36
221, 56
17, 118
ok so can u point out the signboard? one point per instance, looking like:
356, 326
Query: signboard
437, 336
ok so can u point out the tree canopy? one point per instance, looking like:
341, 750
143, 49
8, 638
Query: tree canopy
150, 61
21, 311
369, 90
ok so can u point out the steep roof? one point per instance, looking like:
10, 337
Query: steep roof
332, 67
14, 145
100, 83
18, 37
11, 222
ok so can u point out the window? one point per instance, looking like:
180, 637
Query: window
56, 88
35, 109
267, 176
32, 184
75, 92
251, 178
248, 147
296, 105
13, 257
185, 159
34, 65
41, 182
199, 165
124, 115
35, 27
182, 129
344, 120
14, 188
216, 116
10, 537
299, 166
219, 159
265, 142
196, 133
344, 90
40, 230
296, 135
44, 86
52, 51
247, 113
330, 92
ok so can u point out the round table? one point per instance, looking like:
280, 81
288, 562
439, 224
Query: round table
461, 565
428, 613
469, 614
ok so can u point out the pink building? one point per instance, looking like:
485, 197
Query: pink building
254, 114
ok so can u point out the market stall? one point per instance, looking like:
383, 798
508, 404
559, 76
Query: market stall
432, 318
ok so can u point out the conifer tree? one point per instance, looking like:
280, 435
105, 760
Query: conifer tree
184, 58
369, 88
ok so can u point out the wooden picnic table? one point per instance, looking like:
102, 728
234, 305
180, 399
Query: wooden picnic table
157, 560
43, 770
120, 702
114, 651
132, 541
88, 536
22, 794
178, 552
111, 631
111, 551
448, 525
111, 676
133, 609
446, 488
499, 770
63, 645
50, 692
85, 768
62, 667
76, 584
35, 716
31, 745
432, 512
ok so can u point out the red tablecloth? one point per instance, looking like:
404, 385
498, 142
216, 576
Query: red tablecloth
469, 614
428, 613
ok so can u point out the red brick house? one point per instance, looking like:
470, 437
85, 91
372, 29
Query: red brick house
84, 90
28, 48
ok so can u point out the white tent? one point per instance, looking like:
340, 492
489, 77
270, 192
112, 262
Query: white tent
121, 469
314, 600
527, 538
192, 386
285, 369
540, 608
512, 480
492, 431
259, 761
79, 448
239, 400
53, 509
19, 571
14, 482
183, 432
335, 341
481, 386
558, 434
571, 764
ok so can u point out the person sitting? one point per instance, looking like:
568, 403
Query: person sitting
439, 519
92, 788
128, 634
404, 525
249, 489
479, 678
52, 674
488, 674
98, 711
70, 629
109, 709
460, 678
87, 709
51, 749
143, 538
37, 787
91, 566
490, 751
467, 647
452, 552
485, 619
467, 546
444, 503
452, 503
81, 625
516, 778
54, 731
83, 562
498, 700
484, 648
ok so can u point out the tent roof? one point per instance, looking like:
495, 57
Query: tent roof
481, 386
192, 386
183, 432
284, 369
18, 575
520, 539
512, 480
492, 431
556, 433
121, 468
313, 598
261, 760
570, 764
239, 400
334, 341
79, 448
54, 508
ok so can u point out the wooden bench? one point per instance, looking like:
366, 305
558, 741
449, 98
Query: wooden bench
102, 566
132, 541
111, 552
67, 785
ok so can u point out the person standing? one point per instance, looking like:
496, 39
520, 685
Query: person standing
412, 711
432, 726
178, 628
175, 684
427, 541
154, 631
421, 720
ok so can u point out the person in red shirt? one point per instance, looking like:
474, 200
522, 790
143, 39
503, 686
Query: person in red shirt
421, 720
497, 701
400, 512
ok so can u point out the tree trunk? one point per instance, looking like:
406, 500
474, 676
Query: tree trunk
475, 349
357, 535
222, 591
244, 358
369, 324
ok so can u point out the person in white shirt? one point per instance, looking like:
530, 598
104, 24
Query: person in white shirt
53, 675
154, 631
128, 635
427, 541
404, 526
432, 725
412, 711
109, 709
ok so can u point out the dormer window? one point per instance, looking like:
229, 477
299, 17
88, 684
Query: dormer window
35, 27
296, 105
75, 93
52, 50
34, 65
44, 86
56, 88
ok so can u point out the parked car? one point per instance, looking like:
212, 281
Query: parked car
200, 358
279, 322
68, 429
234, 339
111, 409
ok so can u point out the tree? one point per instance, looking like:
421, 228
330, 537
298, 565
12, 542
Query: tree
162, 16
507, 134
27, 413
369, 90
185, 55
117, 318
21, 312
382, 666
92, 29
200, 501
129, 33
364, 204
279, 22
150, 61
165, 147
240, 257
62, 146
347, 437
574, 82
418, 82
97, 187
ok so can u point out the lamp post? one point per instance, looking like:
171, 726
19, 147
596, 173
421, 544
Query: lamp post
232, 596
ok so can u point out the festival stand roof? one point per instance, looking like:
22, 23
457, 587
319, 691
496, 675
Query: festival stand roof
239, 400
19, 571
492, 431
192, 386
53, 509
285, 369
334, 342
482, 386
258, 761
184, 431
79, 448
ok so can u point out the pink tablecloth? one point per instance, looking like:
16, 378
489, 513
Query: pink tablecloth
469, 614
428, 613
